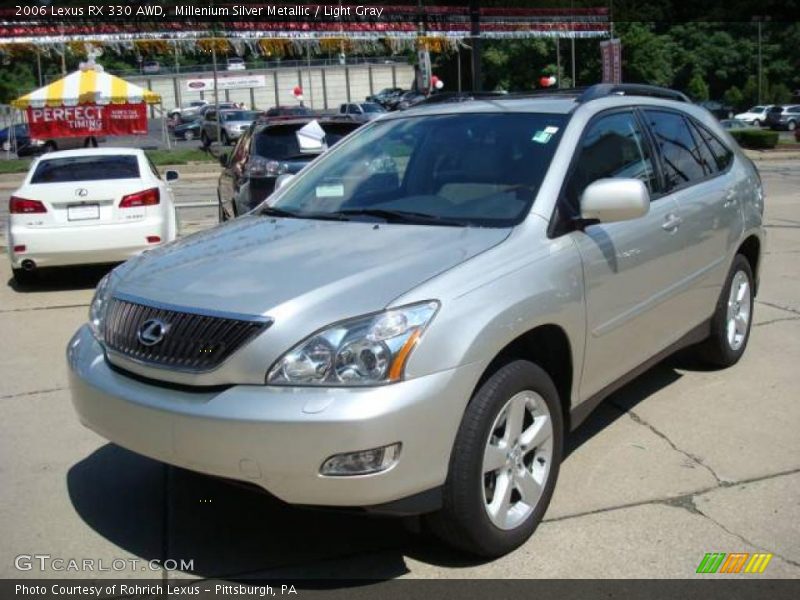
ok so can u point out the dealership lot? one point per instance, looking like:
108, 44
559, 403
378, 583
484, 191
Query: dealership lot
681, 462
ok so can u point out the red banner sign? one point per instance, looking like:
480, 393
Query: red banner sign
87, 119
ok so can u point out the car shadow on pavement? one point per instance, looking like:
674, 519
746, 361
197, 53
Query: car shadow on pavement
158, 512
62, 279
155, 512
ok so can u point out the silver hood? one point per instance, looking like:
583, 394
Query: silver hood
303, 274
279, 267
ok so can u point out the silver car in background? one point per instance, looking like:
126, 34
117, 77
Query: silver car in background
414, 323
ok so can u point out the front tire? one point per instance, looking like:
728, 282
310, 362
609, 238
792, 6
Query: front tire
504, 463
733, 317
756, 123
791, 125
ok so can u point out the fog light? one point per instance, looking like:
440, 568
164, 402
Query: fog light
363, 462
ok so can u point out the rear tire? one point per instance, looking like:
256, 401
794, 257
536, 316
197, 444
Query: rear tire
791, 125
205, 140
23, 277
510, 442
732, 319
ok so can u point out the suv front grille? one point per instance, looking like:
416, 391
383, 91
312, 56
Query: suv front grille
189, 341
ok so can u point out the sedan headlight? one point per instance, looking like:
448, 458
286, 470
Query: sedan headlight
99, 305
366, 350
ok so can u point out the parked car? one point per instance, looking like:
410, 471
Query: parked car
11, 140
384, 95
361, 111
189, 111
409, 99
288, 111
755, 116
62, 143
222, 106
232, 124
79, 207
415, 322
783, 117
151, 67
735, 124
267, 151
718, 109
188, 131
236, 64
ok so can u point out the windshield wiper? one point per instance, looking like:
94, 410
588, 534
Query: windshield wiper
401, 216
272, 211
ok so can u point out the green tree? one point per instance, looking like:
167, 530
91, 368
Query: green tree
697, 88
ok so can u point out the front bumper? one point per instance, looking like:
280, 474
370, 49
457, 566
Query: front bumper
278, 437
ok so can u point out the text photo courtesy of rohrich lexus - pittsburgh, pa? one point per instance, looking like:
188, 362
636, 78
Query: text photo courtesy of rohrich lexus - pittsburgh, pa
409, 299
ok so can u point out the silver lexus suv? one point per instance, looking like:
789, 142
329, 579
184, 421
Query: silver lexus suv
414, 323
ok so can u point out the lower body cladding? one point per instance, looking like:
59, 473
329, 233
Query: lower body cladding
278, 438
62, 246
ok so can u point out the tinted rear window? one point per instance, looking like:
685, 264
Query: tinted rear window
86, 168
280, 142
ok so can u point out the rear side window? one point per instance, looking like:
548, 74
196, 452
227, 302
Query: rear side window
279, 142
613, 146
86, 168
722, 154
681, 154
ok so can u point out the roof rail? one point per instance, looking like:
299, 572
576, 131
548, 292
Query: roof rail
466, 96
603, 90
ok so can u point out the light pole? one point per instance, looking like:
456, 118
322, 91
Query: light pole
760, 76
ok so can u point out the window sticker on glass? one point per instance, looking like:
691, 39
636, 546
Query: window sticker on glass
541, 137
551, 130
330, 190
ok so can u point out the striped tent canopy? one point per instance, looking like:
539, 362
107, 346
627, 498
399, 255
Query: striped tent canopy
87, 86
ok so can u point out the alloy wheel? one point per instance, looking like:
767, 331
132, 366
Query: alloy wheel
517, 459
739, 310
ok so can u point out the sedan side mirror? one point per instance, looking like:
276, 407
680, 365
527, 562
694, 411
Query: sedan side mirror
171, 175
610, 200
223, 159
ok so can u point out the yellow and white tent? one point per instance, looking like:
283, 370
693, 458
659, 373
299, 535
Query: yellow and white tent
87, 86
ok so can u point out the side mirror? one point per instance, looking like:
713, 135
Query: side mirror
223, 159
282, 180
171, 175
610, 200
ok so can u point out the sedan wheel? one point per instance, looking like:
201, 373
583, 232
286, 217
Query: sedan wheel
188, 136
791, 125
756, 123
517, 459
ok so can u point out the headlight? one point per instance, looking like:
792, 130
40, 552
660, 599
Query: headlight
363, 351
97, 309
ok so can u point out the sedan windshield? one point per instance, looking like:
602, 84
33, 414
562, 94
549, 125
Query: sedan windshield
466, 169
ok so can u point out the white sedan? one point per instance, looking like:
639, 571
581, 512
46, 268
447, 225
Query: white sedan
88, 206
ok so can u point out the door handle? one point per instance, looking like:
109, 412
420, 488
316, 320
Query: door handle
671, 222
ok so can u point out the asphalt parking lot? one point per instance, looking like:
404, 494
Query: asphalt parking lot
681, 462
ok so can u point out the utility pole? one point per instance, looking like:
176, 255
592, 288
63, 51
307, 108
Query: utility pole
572, 43
39, 65
475, 33
216, 92
760, 76
558, 61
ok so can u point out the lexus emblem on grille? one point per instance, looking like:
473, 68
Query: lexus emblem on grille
152, 332
82, 192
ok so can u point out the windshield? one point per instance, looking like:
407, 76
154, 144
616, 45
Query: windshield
240, 115
86, 168
468, 169
757, 109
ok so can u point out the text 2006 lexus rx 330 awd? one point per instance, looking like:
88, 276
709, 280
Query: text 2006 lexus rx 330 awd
413, 323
